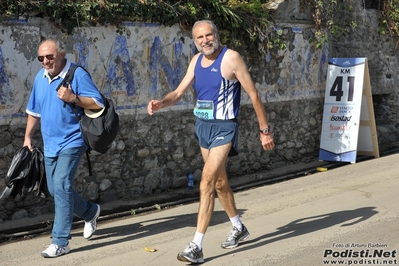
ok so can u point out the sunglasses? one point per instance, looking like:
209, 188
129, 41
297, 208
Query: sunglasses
48, 57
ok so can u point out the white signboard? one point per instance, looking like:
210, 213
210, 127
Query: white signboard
343, 109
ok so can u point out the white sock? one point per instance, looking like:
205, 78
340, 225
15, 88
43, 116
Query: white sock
236, 222
198, 237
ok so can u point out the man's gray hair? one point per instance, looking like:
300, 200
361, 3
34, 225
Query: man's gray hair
60, 45
210, 22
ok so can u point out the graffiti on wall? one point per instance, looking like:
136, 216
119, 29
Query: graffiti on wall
164, 63
132, 68
6, 97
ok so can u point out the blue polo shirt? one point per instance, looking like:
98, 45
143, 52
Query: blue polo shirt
59, 127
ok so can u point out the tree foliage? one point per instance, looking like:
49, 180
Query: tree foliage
336, 18
390, 19
240, 21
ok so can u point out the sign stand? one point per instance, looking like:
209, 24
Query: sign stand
367, 143
348, 124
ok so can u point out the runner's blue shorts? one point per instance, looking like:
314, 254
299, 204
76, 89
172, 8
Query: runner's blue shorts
214, 133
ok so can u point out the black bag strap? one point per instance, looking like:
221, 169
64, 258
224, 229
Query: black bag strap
68, 78
65, 82
89, 162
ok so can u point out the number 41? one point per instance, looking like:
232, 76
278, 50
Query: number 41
336, 89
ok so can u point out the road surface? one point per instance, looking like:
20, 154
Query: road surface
344, 216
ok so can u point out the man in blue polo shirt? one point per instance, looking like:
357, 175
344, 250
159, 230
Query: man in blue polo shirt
62, 140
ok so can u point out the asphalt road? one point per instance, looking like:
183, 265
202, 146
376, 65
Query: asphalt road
347, 215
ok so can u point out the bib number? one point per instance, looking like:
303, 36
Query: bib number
204, 110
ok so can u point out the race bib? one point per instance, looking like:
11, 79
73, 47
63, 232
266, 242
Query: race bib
204, 110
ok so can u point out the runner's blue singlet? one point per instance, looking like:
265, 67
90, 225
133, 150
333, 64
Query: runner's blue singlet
217, 97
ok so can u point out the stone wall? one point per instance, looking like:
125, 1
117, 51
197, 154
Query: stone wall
154, 154
383, 61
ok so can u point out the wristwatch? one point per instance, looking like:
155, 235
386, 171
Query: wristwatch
265, 131
76, 100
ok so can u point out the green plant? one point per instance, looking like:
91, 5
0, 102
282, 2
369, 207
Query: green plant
389, 21
241, 22
332, 18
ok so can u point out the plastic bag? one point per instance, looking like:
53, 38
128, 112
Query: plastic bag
27, 173
20, 166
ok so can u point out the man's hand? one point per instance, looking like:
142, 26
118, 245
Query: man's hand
153, 105
65, 94
267, 141
28, 143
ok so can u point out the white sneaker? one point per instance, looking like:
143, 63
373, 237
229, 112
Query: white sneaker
191, 254
235, 236
91, 226
54, 251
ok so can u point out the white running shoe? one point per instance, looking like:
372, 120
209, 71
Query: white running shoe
54, 251
91, 226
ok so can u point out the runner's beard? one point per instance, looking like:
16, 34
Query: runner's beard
215, 47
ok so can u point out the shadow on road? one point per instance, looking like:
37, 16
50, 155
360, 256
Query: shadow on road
304, 226
295, 228
147, 228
